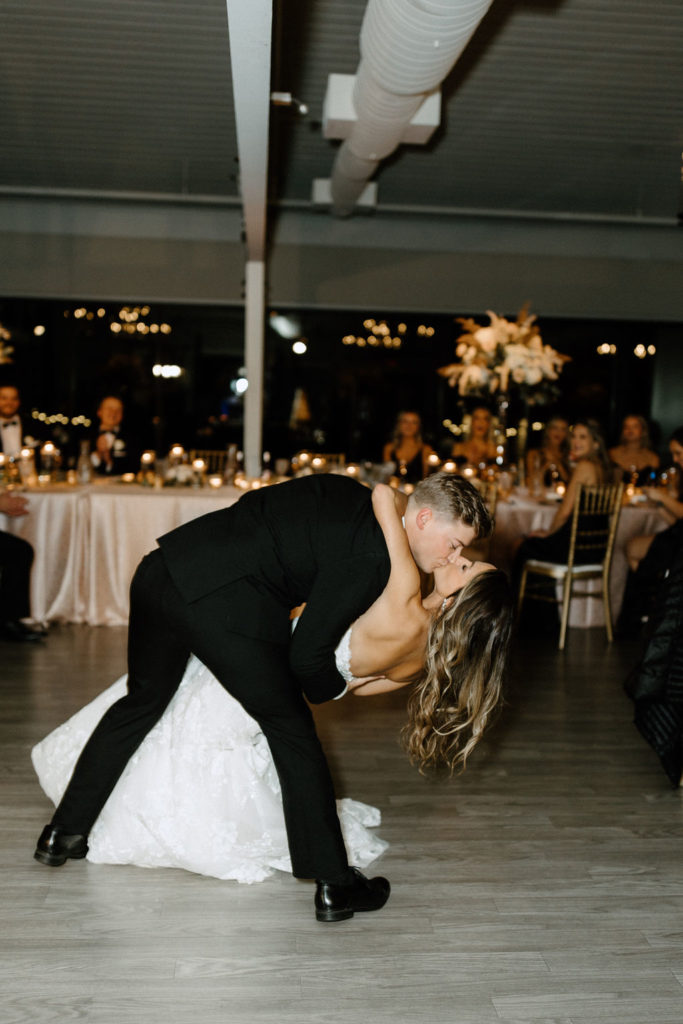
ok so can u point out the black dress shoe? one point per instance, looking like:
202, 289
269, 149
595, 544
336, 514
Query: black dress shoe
55, 846
339, 902
20, 632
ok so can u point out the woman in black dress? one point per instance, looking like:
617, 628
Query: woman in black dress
407, 449
633, 455
590, 466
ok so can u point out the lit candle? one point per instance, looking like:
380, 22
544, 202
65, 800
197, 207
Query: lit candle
468, 472
198, 467
433, 459
318, 462
47, 462
304, 458
352, 469
147, 475
128, 478
561, 489
449, 466
27, 469
215, 481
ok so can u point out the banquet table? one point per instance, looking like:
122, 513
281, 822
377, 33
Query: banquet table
88, 541
522, 514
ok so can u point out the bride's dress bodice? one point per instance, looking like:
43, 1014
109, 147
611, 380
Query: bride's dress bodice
200, 793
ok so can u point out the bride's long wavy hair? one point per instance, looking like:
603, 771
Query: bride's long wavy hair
455, 697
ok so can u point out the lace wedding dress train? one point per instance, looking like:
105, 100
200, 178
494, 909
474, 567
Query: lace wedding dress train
200, 793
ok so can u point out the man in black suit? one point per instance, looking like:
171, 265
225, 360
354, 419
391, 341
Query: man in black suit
11, 428
16, 554
221, 587
114, 452
16, 559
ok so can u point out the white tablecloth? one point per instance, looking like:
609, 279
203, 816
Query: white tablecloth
521, 515
89, 540
52, 526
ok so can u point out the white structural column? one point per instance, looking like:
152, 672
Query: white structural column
254, 324
250, 29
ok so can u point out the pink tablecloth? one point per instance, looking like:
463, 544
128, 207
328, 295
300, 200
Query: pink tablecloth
520, 515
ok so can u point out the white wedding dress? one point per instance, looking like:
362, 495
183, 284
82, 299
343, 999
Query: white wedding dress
200, 793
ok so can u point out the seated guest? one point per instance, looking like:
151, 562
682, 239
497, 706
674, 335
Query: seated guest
479, 446
658, 546
114, 452
551, 461
589, 456
656, 684
407, 449
633, 455
16, 559
11, 427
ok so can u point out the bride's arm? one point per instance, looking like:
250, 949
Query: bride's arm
373, 685
404, 577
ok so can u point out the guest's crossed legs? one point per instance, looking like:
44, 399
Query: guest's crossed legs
163, 632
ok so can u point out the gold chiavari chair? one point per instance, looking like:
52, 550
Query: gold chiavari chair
593, 528
214, 459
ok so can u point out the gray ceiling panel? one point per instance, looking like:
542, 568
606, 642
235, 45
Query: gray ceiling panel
563, 107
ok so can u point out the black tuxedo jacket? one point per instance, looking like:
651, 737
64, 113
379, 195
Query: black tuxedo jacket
125, 454
314, 539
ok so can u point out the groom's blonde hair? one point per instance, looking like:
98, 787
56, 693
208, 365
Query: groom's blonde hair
451, 497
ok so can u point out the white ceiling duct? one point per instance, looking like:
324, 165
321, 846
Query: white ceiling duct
407, 49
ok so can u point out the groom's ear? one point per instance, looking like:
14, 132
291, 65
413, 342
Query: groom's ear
424, 516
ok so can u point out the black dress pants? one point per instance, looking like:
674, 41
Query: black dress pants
16, 559
163, 632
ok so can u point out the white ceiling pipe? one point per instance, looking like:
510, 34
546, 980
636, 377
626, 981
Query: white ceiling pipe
407, 49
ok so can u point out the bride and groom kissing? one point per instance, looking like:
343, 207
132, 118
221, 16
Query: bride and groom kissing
221, 588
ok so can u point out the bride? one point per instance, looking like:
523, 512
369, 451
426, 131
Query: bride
201, 792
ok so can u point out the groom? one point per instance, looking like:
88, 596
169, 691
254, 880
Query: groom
221, 587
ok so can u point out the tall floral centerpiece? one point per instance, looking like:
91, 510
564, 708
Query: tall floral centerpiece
502, 359
504, 355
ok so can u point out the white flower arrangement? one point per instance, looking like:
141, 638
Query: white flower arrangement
494, 358
181, 476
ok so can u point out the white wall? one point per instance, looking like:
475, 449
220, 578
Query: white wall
77, 249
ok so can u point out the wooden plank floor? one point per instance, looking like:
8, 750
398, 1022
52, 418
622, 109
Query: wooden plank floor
544, 885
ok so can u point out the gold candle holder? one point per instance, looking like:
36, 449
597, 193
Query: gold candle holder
147, 460
198, 470
48, 463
